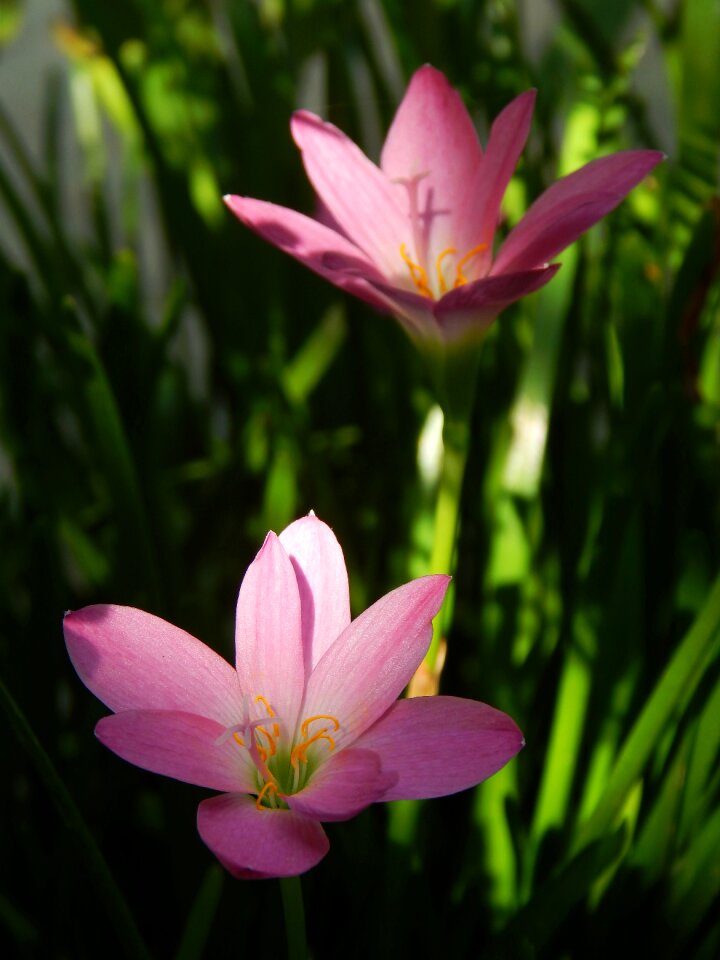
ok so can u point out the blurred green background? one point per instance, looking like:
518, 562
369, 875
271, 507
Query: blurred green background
171, 388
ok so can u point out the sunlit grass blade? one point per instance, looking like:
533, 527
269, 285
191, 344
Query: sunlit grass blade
561, 760
701, 767
307, 368
490, 812
696, 880
677, 682
530, 414
699, 119
657, 839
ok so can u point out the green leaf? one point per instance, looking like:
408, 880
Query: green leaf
679, 679
99, 874
311, 362
201, 916
536, 922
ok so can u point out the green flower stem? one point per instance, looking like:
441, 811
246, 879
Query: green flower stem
455, 376
294, 911
99, 874
677, 684
447, 513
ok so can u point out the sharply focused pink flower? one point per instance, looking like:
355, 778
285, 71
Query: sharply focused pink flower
307, 727
415, 236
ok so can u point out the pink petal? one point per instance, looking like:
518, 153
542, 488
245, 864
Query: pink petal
267, 843
358, 195
571, 206
508, 135
433, 137
322, 249
179, 745
367, 667
412, 310
268, 634
343, 786
132, 660
472, 307
439, 745
323, 583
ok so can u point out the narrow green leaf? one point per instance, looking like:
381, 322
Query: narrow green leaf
701, 765
312, 361
202, 914
696, 881
100, 877
568, 724
20, 927
530, 414
536, 922
696, 169
98, 411
677, 682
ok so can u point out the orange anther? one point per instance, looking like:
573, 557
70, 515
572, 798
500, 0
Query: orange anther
417, 273
300, 750
263, 701
271, 743
460, 278
438, 266
268, 786
238, 739
319, 716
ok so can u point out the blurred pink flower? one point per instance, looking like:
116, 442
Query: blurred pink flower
307, 727
414, 236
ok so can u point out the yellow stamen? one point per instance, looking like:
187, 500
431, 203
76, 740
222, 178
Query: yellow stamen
417, 273
438, 266
238, 739
263, 701
271, 743
268, 786
300, 750
271, 713
460, 278
319, 716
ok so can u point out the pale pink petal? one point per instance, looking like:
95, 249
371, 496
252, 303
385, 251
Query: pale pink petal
268, 634
317, 246
322, 579
508, 135
179, 745
433, 138
358, 195
343, 786
472, 307
132, 660
439, 745
266, 843
571, 206
367, 667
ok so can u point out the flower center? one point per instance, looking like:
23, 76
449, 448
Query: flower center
419, 275
283, 768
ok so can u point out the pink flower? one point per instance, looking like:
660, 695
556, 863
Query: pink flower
414, 236
307, 727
